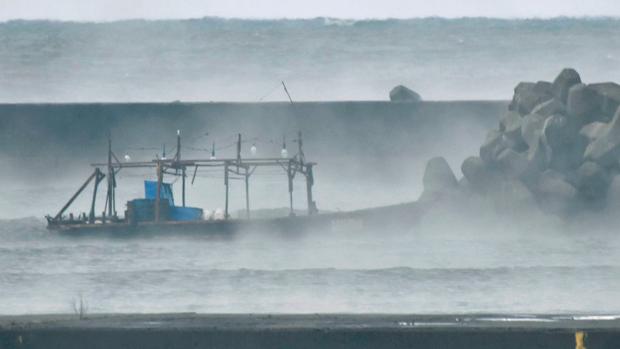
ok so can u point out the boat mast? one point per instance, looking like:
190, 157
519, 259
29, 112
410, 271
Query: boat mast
246, 176
306, 169
226, 183
178, 159
160, 176
110, 194
247, 192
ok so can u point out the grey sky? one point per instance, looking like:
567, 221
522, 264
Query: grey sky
105, 10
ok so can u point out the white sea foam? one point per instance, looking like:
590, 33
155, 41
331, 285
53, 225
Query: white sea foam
516, 319
596, 317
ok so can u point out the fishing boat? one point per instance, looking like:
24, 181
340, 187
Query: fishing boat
157, 211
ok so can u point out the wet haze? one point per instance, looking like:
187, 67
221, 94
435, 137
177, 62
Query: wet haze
105, 10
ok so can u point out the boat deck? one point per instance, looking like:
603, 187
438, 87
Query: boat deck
406, 213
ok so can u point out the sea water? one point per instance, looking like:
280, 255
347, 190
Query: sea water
423, 269
214, 59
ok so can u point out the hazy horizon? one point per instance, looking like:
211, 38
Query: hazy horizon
113, 10
267, 19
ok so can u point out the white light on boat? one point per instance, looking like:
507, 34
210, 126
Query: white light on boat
212, 157
219, 214
178, 132
253, 149
127, 158
284, 153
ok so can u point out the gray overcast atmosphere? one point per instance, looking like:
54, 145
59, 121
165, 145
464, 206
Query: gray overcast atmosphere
107, 10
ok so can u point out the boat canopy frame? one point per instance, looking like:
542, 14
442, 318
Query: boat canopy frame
176, 166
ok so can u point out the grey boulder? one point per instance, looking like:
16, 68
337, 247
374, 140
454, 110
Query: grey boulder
510, 125
550, 107
609, 96
557, 131
592, 180
582, 104
605, 150
508, 120
593, 130
563, 148
613, 194
528, 95
401, 93
563, 82
491, 146
512, 195
531, 128
480, 177
512, 163
536, 163
438, 176
556, 194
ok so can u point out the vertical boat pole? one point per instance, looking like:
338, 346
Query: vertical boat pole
309, 183
91, 215
226, 184
158, 197
290, 187
238, 151
183, 185
247, 192
182, 169
110, 177
300, 149
307, 171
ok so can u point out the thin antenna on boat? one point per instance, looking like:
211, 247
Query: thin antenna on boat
238, 150
178, 159
288, 94
300, 153
178, 155
110, 194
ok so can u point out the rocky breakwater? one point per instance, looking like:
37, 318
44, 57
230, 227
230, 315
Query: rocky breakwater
556, 148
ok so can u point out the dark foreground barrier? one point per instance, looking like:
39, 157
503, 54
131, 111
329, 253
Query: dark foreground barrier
307, 331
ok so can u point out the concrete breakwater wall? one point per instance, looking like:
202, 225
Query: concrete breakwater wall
52, 133
368, 153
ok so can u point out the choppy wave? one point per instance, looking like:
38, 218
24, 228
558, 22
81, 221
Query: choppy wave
22, 229
321, 59
419, 271
398, 290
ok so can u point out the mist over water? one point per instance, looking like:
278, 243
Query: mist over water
457, 259
450, 262
216, 59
